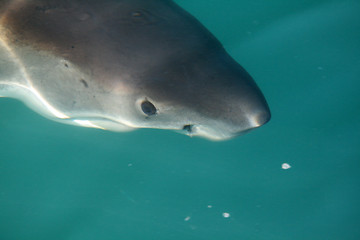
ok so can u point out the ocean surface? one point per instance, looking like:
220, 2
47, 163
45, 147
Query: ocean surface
60, 182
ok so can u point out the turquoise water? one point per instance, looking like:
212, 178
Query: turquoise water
65, 182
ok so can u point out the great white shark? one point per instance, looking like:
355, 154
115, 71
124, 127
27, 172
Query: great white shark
124, 64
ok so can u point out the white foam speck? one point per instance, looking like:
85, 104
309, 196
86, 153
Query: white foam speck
209, 206
226, 215
187, 218
285, 166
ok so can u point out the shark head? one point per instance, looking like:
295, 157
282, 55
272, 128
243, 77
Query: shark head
121, 65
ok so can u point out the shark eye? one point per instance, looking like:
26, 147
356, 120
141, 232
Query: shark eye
148, 108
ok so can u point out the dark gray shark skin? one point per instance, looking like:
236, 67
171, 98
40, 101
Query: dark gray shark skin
124, 64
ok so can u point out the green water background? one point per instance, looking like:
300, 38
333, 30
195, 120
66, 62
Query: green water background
63, 182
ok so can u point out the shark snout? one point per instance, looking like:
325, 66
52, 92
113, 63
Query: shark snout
254, 112
238, 113
223, 130
259, 118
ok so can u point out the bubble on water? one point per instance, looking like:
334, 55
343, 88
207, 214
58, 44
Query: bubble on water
285, 166
209, 206
226, 215
187, 218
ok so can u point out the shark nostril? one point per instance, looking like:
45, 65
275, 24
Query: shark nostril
148, 108
188, 128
